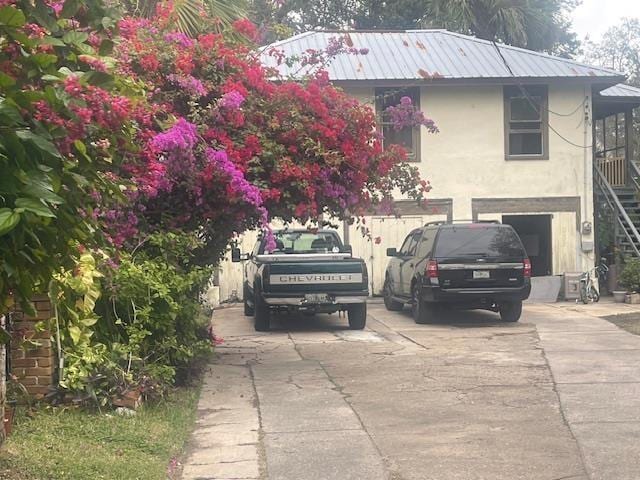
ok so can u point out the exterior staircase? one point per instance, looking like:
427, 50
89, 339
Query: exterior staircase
629, 199
621, 205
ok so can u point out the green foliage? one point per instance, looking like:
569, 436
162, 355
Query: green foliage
188, 15
630, 275
154, 308
90, 369
41, 190
619, 49
139, 326
534, 24
72, 444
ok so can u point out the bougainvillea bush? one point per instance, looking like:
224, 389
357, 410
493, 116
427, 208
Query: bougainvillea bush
240, 148
123, 140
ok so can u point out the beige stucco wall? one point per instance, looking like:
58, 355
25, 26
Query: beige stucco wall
466, 160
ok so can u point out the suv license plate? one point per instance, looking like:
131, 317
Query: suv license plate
477, 274
317, 298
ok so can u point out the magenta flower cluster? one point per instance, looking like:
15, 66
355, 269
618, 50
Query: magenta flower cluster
180, 38
405, 114
181, 136
231, 100
190, 84
238, 184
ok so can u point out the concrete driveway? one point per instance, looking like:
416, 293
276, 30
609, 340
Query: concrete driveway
555, 396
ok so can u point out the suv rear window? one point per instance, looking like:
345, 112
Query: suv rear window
478, 240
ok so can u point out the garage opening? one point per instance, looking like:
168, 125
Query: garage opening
535, 232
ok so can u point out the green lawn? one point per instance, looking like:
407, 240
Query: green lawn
59, 444
627, 321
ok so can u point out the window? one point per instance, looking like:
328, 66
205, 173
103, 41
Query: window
526, 127
424, 250
305, 242
610, 132
408, 248
490, 241
408, 137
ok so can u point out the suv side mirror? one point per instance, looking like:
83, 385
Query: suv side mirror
347, 249
392, 252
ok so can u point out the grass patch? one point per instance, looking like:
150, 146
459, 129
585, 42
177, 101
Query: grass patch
62, 443
627, 321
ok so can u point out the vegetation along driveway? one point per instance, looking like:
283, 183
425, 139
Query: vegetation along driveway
556, 396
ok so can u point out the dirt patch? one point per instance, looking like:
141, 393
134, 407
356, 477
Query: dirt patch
627, 321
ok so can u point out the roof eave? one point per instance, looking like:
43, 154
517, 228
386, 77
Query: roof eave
601, 81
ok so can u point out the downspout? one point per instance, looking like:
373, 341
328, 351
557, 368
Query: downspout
587, 171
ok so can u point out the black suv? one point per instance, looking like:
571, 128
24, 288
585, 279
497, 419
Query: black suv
480, 265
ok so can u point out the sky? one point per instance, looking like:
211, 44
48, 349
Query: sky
594, 17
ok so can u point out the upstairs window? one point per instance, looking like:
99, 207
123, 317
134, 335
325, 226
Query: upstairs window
408, 137
526, 127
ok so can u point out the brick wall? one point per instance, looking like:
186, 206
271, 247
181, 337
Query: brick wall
33, 365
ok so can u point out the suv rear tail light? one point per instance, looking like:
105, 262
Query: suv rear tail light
527, 268
432, 269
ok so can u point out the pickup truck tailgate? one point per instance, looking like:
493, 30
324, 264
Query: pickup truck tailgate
322, 277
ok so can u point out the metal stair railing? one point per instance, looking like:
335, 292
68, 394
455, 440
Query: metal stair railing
628, 228
634, 175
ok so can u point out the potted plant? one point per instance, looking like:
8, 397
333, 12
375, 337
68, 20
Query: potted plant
630, 279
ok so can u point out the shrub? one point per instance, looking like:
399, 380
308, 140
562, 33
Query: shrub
630, 275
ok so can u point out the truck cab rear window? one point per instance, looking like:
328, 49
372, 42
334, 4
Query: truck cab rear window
490, 241
305, 242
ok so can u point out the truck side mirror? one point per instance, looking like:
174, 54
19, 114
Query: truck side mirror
235, 255
347, 249
392, 252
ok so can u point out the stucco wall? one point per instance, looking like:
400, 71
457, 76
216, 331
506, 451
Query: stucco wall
466, 161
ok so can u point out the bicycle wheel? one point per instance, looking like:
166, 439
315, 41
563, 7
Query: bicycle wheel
595, 295
583, 294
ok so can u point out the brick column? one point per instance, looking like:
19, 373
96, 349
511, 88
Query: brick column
33, 365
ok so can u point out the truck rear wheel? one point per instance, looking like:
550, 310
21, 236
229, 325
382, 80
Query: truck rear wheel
357, 316
248, 309
262, 318
511, 311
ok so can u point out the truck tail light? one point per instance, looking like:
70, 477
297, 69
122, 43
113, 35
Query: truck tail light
432, 269
527, 268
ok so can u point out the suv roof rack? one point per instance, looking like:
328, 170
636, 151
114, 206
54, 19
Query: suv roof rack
447, 222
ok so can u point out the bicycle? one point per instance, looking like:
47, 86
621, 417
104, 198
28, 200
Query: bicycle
588, 290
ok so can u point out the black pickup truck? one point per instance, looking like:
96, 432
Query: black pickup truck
308, 271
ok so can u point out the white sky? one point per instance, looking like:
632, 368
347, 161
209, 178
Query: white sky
594, 17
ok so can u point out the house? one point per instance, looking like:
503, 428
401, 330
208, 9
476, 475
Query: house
520, 135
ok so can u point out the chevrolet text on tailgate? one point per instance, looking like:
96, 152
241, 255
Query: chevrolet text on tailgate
308, 271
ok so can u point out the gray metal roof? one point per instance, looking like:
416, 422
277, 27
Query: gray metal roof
431, 55
621, 90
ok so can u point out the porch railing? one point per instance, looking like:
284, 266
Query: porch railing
614, 170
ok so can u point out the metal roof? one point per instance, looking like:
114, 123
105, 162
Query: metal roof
430, 55
621, 90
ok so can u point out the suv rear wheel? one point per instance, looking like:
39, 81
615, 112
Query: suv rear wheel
421, 311
511, 311
390, 304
